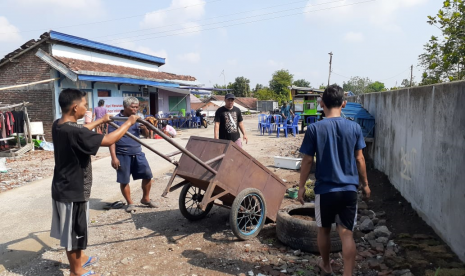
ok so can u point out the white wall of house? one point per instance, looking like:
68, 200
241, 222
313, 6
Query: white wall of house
75, 53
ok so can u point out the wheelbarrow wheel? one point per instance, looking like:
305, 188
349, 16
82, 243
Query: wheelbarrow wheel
248, 214
189, 203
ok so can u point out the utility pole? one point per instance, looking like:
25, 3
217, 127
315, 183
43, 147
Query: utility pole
330, 61
411, 76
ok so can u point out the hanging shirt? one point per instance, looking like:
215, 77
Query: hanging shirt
19, 121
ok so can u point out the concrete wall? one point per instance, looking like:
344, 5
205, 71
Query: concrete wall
420, 145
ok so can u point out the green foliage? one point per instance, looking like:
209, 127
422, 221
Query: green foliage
357, 85
301, 83
229, 86
241, 87
322, 86
376, 87
247, 113
444, 57
280, 82
265, 94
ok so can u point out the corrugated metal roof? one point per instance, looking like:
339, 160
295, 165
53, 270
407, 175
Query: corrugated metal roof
174, 90
103, 47
126, 80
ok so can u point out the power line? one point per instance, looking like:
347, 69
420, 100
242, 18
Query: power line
220, 16
377, 80
115, 19
225, 21
254, 21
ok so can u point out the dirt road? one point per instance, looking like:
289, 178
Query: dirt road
162, 242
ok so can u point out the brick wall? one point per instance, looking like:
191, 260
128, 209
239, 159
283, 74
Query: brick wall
29, 68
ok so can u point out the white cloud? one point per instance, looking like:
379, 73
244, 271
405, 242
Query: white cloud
8, 32
354, 37
380, 13
190, 57
180, 20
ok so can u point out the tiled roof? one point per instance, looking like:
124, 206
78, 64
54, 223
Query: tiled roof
250, 103
195, 106
82, 65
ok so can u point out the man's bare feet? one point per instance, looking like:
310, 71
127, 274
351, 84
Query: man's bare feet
326, 270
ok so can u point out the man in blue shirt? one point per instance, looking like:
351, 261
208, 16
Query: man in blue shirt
127, 158
340, 165
286, 112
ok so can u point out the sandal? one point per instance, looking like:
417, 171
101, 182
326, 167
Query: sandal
90, 272
131, 208
150, 204
89, 262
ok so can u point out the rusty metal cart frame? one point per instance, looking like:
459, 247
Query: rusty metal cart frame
215, 169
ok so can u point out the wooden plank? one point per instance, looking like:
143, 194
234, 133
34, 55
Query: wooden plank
60, 67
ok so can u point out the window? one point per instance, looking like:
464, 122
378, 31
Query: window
177, 103
104, 93
132, 94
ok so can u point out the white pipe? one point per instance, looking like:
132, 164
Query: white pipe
27, 84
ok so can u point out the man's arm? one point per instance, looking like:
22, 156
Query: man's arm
242, 128
305, 168
94, 124
217, 130
362, 172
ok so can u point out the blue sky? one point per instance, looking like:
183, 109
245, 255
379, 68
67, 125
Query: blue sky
252, 38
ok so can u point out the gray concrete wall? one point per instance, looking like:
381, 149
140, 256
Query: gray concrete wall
420, 146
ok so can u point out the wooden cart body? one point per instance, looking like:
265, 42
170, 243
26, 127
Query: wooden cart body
236, 171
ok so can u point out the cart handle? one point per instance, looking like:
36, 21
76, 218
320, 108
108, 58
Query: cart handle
169, 140
174, 162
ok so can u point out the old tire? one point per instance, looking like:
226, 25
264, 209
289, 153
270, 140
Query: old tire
248, 214
189, 200
302, 234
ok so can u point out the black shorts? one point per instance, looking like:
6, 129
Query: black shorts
336, 207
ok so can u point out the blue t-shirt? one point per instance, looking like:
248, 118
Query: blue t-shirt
334, 140
126, 145
285, 110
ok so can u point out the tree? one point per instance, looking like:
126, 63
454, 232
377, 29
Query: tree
241, 87
224, 92
265, 94
258, 87
301, 83
280, 83
376, 87
322, 86
357, 85
444, 57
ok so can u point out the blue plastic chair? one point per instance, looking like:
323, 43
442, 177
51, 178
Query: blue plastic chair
196, 121
311, 120
261, 120
295, 125
277, 121
284, 126
266, 125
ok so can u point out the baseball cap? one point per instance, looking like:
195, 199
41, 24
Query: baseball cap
229, 96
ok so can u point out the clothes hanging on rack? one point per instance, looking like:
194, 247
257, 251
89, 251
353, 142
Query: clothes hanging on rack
18, 117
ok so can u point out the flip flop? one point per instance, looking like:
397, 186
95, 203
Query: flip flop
90, 272
131, 208
150, 204
89, 262
115, 205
